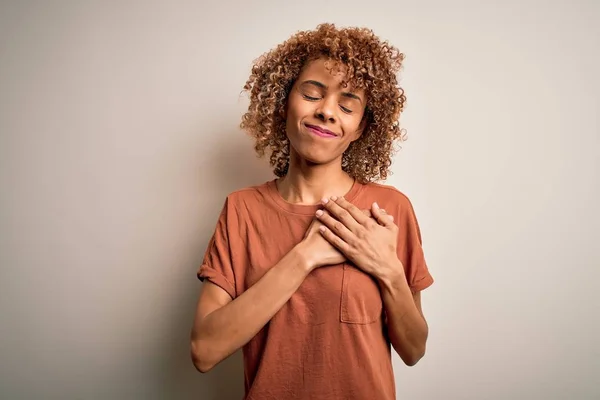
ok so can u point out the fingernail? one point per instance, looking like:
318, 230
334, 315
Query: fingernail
376, 205
325, 200
334, 198
319, 213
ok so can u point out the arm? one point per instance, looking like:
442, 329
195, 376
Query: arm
406, 324
222, 325
372, 246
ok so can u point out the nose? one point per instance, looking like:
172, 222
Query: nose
326, 110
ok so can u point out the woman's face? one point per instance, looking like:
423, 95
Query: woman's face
323, 117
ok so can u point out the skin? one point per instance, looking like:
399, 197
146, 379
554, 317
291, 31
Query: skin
318, 99
371, 245
342, 232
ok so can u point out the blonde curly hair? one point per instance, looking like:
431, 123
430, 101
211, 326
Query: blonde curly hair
372, 65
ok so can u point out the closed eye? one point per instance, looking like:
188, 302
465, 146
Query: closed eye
310, 97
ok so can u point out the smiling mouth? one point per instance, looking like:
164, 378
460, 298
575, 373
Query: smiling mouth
320, 132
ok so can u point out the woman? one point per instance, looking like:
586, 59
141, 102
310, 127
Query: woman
307, 272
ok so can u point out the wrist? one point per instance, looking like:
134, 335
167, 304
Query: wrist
305, 261
392, 277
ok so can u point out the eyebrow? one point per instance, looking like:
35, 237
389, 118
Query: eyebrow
323, 86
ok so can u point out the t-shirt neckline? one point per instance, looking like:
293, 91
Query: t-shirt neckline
305, 209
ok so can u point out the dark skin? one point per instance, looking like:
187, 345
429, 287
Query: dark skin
319, 98
370, 243
366, 237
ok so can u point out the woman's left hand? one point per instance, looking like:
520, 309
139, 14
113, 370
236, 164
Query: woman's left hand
370, 243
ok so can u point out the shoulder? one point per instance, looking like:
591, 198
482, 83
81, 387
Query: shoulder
400, 206
248, 197
388, 196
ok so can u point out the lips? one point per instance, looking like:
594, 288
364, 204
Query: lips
319, 131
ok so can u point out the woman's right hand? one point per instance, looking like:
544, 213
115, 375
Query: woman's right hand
317, 250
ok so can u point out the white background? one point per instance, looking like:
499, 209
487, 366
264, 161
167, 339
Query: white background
119, 141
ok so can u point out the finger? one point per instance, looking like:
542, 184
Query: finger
343, 215
334, 239
334, 225
356, 213
381, 216
370, 215
389, 215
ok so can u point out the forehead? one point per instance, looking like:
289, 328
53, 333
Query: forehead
327, 71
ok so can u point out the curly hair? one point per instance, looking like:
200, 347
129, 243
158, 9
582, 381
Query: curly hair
371, 64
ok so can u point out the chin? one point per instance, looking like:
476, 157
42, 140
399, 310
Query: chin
312, 151
317, 157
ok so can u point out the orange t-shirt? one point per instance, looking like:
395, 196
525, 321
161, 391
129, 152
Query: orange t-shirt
328, 341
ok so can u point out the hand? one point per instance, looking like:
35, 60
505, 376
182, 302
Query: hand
318, 250
370, 243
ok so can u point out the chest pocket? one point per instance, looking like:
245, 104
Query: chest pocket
336, 294
361, 299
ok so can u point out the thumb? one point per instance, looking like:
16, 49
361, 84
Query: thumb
388, 215
381, 215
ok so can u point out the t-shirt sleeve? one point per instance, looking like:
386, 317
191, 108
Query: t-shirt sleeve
217, 265
410, 249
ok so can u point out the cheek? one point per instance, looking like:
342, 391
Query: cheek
352, 125
301, 109
296, 111
289, 126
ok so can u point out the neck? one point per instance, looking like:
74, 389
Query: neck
308, 184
